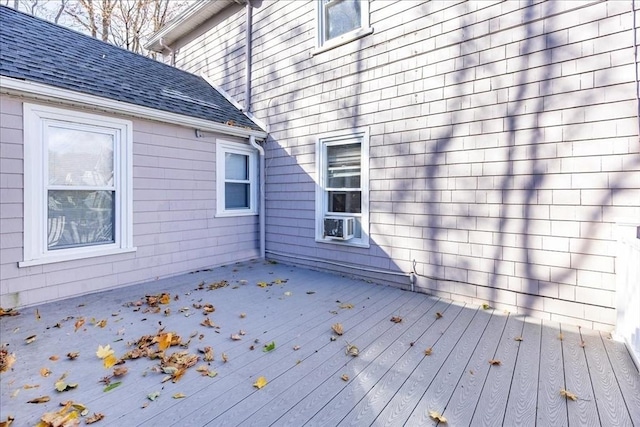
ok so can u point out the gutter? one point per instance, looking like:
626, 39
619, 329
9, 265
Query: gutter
39, 91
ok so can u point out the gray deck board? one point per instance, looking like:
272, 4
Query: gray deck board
391, 382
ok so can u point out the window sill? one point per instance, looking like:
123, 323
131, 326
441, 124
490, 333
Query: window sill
75, 256
346, 38
232, 214
351, 243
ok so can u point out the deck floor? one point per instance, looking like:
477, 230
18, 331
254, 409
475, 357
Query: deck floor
391, 382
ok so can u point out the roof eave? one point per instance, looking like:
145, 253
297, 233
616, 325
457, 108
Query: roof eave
187, 22
33, 90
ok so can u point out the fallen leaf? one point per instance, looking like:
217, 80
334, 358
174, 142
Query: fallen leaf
30, 339
153, 396
269, 347
63, 386
208, 354
179, 396
109, 361
73, 355
346, 306
260, 382
112, 386
568, 394
560, 336
104, 352
263, 284
102, 323
438, 315
164, 341
208, 322
337, 328
97, 416
224, 357
30, 386
396, 319
236, 337
208, 308
120, 371
7, 422
41, 399
165, 298
428, 351
6, 360
204, 371
495, 362
243, 315
486, 306
436, 416
352, 350
54, 358
344, 377
45, 372
518, 339
38, 314
65, 417
296, 347
79, 323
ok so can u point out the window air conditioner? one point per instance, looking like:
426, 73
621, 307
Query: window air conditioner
339, 228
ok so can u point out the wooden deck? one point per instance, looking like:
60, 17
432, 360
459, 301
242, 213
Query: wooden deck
391, 382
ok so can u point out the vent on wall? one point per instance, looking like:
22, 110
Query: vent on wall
339, 228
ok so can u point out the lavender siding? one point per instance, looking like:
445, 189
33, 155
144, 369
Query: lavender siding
174, 224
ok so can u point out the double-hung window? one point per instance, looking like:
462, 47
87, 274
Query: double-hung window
340, 21
343, 177
237, 176
77, 185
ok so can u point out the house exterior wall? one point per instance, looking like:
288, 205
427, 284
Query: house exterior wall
174, 225
503, 143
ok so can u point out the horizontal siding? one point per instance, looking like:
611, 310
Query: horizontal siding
174, 224
503, 142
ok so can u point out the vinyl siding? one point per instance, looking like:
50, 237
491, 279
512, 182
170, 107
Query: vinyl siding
174, 224
503, 151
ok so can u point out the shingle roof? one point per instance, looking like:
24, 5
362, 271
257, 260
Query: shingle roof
39, 51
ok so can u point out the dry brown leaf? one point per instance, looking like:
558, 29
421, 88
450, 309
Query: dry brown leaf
346, 306
243, 315
337, 328
495, 362
8, 312
396, 319
97, 416
437, 416
179, 396
225, 358
45, 372
120, 371
68, 416
344, 377
73, 355
518, 338
7, 422
208, 308
568, 394
352, 350
164, 340
428, 351
79, 323
236, 337
438, 315
54, 358
30, 339
102, 323
208, 354
260, 382
41, 399
30, 386
208, 322
6, 360
560, 336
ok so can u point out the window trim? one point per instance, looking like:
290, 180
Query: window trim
363, 30
223, 147
321, 203
36, 117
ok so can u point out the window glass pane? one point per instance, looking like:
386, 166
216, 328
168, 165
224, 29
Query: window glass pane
236, 166
80, 218
236, 195
343, 166
344, 201
340, 17
78, 157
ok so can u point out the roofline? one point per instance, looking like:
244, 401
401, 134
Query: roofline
185, 22
13, 86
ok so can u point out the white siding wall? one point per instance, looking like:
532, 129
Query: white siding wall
174, 228
504, 142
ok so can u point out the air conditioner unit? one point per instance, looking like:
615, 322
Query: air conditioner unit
339, 228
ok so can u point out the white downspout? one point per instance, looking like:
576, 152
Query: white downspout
261, 195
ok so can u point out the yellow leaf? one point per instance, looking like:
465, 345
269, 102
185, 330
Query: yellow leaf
102, 323
45, 372
165, 299
568, 394
104, 352
109, 361
260, 382
164, 341
436, 416
263, 284
486, 306
179, 396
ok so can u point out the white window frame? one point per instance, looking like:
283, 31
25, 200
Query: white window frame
342, 138
323, 45
37, 118
223, 147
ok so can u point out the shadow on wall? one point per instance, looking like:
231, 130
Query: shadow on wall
499, 190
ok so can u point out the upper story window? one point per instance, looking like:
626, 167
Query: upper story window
237, 179
342, 196
77, 185
341, 21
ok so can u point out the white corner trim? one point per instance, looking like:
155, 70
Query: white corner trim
45, 92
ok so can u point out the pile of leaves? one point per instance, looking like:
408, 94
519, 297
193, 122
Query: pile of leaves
6, 359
